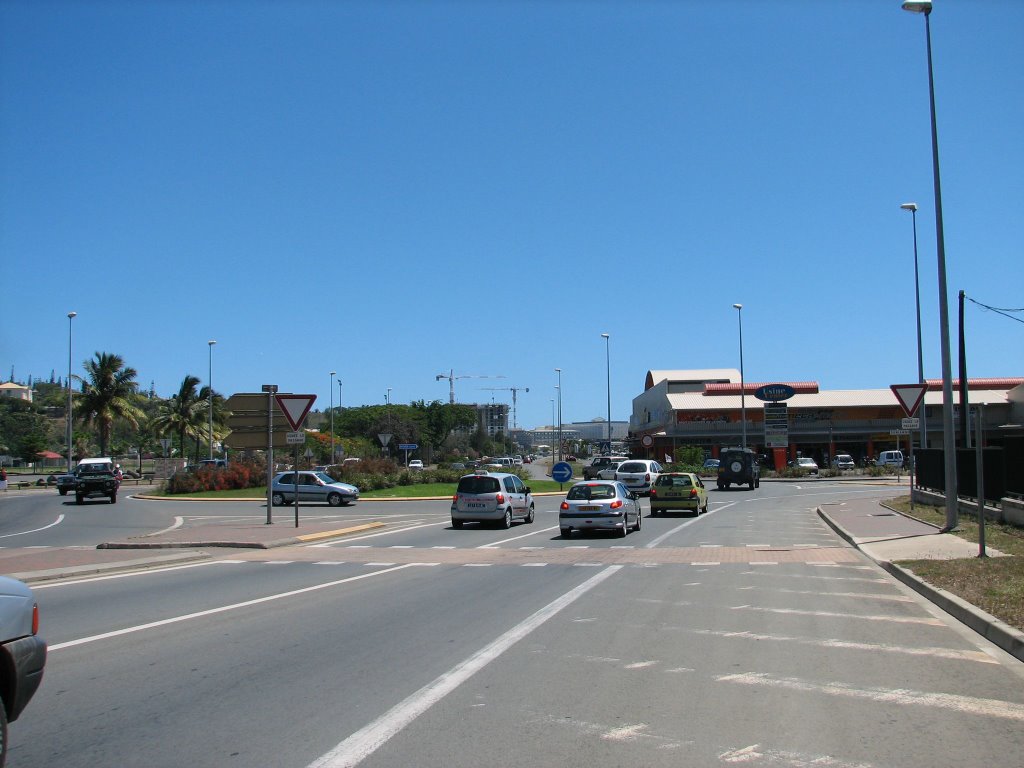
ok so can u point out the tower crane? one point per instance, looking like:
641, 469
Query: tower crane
514, 391
451, 382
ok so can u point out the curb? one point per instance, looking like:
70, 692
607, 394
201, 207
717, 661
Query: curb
994, 630
96, 569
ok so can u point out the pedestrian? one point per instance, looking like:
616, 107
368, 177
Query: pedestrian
3, 479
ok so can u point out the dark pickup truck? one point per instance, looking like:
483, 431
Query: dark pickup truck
96, 480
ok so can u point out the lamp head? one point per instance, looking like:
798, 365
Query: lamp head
334, 373
72, 314
211, 342
737, 306
605, 336
909, 206
918, 6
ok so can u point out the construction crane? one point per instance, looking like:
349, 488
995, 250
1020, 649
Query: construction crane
451, 382
514, 391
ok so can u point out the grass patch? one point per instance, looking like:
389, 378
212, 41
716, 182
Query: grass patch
993, 584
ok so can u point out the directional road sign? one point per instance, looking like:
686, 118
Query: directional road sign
909, 396
249, 421
295, 408
561, 472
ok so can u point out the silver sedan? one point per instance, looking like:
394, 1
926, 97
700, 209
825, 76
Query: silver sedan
605, 505
311, 486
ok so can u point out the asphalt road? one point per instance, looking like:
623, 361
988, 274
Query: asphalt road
751, 635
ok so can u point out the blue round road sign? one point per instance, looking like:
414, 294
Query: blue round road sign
561, 472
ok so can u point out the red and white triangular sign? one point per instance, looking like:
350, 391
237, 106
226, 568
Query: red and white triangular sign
909, 395
295, 408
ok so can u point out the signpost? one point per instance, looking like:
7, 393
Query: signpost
776, 425
909, 397
407, 447
295, 408
561, 473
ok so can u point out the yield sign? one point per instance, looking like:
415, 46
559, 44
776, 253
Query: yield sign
909, 395
295, 408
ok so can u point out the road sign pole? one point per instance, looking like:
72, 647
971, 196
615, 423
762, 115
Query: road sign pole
295, 474
270, 389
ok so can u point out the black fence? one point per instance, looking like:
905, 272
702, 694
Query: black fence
1003, 468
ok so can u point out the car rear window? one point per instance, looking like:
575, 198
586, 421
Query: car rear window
588, 492
632, 466
679, 481
479, 484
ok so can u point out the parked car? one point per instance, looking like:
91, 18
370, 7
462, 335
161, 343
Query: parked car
416, 464
491, 497
606, 505
843, 461
807, 464
22, 653
608, 473
678, 490
711, 465
593, 469
312, 486
213, 463
739, 466
638, 474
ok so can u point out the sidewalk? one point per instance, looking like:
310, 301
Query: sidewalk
887, 536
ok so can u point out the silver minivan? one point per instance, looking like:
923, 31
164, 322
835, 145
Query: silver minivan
491, 497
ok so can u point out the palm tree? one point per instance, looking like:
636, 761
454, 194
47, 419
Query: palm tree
182, 413
109, 392
220, 416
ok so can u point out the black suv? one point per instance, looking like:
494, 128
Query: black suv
738, 465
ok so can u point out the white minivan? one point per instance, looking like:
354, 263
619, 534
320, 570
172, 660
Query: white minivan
890, 459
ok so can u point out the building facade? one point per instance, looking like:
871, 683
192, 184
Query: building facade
704, 408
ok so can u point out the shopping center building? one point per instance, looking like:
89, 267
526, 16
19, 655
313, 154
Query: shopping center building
704, 408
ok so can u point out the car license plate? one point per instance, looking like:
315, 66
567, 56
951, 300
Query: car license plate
590, 508
475, 505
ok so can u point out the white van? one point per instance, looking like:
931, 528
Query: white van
890, 459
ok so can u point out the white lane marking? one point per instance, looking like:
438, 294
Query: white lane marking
58, 521
655, 542
834, 615
368, 739
517, 538
755, 753
858, 595
966, 704
221, 609
933, 652
178, 522
625, 732
533, 565
130, 574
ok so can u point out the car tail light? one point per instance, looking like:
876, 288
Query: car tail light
500, 498
654, 492
455, 499
693, 493
647, 477
35, 618
617, 503
564, 506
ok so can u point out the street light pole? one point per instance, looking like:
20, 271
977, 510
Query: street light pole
71, 316
608, 371
743, 385
948, 436
912, 207
211, 342
333, 374
559, 388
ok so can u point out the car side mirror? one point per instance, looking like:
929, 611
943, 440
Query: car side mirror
526, 489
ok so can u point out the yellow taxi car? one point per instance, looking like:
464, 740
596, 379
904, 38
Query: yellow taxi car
678, 490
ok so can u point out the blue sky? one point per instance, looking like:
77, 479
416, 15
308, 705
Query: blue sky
393, 190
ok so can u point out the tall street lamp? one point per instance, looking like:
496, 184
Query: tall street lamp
211, 342
71, 316
948, 436
608, 373
559, 372
333, 374
912, 207
743, 385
